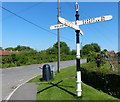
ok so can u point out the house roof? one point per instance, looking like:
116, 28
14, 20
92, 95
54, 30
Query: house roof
5, 52
110, 52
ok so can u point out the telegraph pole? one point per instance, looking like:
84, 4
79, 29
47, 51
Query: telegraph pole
58, 62
78, 82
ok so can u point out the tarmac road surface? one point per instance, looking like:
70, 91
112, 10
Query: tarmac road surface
14, 76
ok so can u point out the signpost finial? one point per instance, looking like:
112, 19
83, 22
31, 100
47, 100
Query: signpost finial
76, 6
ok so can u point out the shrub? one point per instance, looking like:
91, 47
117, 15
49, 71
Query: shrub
104, 80
32, 57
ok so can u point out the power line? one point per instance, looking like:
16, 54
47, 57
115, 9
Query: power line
32, 23
28, 8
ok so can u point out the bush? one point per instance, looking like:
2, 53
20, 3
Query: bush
104, 80
32, 57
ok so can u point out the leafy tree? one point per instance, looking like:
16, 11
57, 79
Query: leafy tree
96, 47
42, 52
73, 52
20, 48
51, 50
87, 48
23, 48
105, 50
10, 48
64, 49
1, 48
93, 47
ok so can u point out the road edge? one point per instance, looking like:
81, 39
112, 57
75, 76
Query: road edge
9, 96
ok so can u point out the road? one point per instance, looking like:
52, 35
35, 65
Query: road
14, 76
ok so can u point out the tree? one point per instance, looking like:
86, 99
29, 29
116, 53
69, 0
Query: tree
73, 52
64, 49
96, 47
23, 48
105, 50
87, 48
20, 48
1, 48
10, 49
93, 47
51, 51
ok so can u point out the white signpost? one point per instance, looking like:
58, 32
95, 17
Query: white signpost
69, 24
80, 22
75, 25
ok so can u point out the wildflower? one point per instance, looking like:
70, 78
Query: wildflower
98, 59
100, 54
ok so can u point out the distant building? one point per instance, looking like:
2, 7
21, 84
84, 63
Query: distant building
6, 53
110, 52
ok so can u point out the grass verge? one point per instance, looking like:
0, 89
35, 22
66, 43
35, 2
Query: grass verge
66, 90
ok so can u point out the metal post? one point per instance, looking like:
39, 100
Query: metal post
78, 82
58, 62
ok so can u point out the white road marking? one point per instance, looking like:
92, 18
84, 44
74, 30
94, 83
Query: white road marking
21, 80
17, 88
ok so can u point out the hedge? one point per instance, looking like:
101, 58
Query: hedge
106, 82
31, 58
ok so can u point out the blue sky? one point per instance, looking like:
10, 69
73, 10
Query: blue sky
16, 31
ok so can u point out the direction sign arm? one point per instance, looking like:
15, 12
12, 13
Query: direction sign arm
94, 20
69, 24
58, 26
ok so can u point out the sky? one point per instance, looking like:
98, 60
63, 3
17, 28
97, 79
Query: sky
16, 31
60, 0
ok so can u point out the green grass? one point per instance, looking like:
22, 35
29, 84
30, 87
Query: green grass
69, 84
36, 79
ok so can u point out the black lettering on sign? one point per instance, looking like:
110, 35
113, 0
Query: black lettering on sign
89, 21
96, 20
83, 22
103, 18
93, 20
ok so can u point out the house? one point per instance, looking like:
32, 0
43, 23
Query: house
110, 53
6, 53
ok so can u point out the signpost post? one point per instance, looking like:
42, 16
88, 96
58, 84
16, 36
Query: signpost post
75, 25
78, 82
